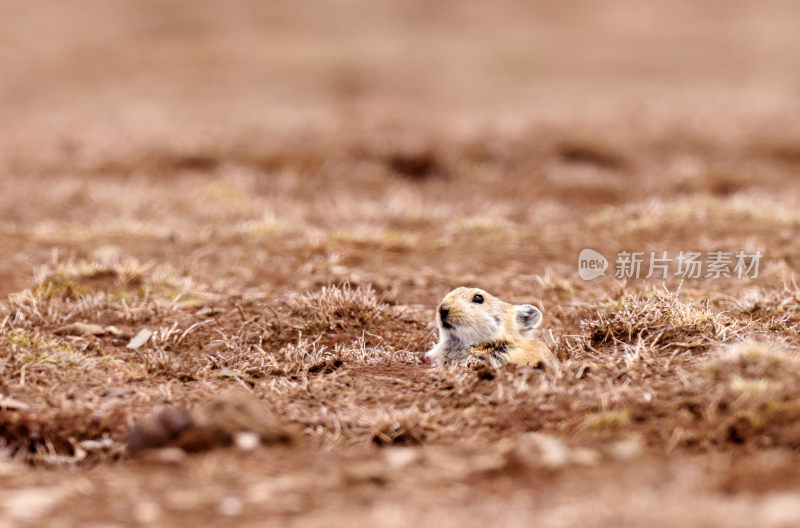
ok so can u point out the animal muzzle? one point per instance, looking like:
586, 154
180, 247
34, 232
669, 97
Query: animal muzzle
444, 315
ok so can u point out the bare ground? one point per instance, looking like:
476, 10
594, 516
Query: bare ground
282, 212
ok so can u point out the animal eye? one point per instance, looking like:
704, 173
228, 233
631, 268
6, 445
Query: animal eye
478, 298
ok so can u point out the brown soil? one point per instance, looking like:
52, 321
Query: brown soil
280, 196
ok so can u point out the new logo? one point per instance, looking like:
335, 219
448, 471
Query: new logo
591, 264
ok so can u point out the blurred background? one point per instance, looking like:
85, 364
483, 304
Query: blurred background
389, 140
141, 62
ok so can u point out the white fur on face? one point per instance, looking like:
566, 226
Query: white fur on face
472, 323
482, 328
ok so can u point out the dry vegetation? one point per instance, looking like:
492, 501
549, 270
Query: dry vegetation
221, 249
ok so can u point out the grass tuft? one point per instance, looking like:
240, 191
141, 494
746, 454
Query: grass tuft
661, 320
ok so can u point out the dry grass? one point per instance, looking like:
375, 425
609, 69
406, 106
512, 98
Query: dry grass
334, 309
661, 320
279, 201
632, 355
339, 368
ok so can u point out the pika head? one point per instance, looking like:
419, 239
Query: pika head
475, 323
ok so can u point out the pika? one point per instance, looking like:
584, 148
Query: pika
475, 324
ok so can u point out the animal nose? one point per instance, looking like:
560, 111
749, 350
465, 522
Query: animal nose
443, 313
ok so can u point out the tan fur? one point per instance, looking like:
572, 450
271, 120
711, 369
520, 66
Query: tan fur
491, 330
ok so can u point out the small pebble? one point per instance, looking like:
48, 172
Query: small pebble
140, 339
246, 440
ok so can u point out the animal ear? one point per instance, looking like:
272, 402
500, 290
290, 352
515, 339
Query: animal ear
528, 316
